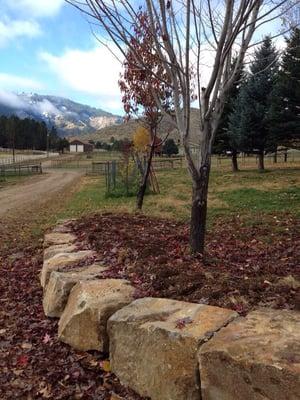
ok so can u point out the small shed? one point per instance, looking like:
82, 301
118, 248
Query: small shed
79, 146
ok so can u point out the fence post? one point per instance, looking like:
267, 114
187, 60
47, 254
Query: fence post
114, 172
108, 177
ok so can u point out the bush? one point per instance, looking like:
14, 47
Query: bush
170, 147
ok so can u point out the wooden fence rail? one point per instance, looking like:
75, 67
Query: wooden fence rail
18, 170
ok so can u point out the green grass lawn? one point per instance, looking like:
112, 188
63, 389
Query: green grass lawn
248, 192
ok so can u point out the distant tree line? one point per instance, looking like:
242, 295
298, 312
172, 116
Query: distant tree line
169, 147
25, 134
263, 107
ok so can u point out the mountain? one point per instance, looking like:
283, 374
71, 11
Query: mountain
70, 118
126, 130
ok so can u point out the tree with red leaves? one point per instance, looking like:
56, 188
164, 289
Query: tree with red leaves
141, 88
203, 37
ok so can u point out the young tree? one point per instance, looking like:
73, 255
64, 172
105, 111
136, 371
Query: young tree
249, 122
187, 36
140, 88
141, 139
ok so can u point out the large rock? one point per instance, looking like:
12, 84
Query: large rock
60, 284
58, 238
154, 345
83, 324
253, 358
64, 226
63, 262
52, 251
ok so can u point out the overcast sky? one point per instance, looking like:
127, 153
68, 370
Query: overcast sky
46, 47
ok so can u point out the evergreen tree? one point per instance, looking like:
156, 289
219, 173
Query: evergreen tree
62, 145
170, 147
16, 133
285, 107
225, 139
250, 120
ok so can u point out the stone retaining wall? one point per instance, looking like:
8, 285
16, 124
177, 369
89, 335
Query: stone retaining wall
166, 349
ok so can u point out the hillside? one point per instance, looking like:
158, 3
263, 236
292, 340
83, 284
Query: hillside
69, 117
127, 129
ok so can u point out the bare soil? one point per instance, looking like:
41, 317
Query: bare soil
34, 190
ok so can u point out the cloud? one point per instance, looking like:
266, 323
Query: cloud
46, 106
15, 82
24, 102
36, 8
94, 72
14, 29
11, 100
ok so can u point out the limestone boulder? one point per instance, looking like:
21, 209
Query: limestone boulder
60, 284
253, 358
63, 226
63, 262
154, 345
57, 249
55, 238
83, 324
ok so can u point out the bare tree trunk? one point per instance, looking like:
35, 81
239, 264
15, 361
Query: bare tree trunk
234, 160
142, 190
261, 164
275, 157
199, 210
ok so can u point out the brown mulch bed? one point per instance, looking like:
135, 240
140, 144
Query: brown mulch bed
243, 268
33, 363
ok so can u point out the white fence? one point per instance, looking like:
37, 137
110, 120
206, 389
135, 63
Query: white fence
21, 158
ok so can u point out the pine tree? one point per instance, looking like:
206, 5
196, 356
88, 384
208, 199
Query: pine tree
250, 120
170, 147
225, 139
285, 108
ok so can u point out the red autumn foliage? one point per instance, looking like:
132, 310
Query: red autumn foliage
144, 78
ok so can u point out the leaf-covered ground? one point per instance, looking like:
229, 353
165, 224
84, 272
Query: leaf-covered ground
246, 265
33, 363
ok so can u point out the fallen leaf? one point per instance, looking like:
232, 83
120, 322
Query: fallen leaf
26, 346
23, 360
181, 323
105, 365
46, 338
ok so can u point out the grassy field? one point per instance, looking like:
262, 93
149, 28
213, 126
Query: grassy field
5, 154
247, 192
84, 161
255, 197
11, 180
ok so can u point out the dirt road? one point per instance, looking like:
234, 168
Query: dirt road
35, 190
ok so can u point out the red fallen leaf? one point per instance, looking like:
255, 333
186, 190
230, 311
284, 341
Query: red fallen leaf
137, 281
46, 338
181, 323
76, 374
23, 360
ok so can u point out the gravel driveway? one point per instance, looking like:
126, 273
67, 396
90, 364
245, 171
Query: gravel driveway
35, 189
